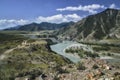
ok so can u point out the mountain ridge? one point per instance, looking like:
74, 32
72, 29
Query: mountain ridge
105, 24
40, 26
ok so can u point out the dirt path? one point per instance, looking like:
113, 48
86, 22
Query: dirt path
22, 45
10, 50
2, 57
6, 52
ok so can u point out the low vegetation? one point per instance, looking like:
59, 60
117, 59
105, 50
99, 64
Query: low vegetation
35, 58
31, 59
80, 66
82, 53
8, 41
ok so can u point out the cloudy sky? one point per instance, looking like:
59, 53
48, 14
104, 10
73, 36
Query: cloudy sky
20, 12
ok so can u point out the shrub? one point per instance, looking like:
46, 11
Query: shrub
95, 66
81, 66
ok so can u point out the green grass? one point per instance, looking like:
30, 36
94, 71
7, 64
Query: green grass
31, 61
101, 44
8, 41
101, 48
10, 37
82, 53
14, 32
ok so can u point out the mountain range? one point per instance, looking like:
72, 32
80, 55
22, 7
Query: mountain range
41, 26
105, 24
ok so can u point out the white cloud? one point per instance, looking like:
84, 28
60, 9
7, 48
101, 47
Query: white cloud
59, 18
90, 8
4, 23
112, 6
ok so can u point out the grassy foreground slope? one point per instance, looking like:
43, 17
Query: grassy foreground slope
8, 40
31, 59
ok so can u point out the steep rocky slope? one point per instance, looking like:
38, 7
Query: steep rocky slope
103, 25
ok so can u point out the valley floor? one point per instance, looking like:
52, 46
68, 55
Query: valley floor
32, 59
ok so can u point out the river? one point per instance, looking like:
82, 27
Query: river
59, 48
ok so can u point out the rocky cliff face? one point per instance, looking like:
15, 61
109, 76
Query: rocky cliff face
103, 25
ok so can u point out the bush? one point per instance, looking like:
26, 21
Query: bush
109, 54
82, 53
62, 70
81, 66
95, 66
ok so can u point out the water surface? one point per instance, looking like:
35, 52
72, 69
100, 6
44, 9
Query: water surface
59, 48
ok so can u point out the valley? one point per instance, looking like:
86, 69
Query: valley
86, 50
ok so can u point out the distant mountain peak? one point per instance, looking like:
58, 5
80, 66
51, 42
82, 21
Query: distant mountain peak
109, 9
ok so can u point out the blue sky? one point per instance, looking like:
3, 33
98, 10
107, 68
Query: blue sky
20, 12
